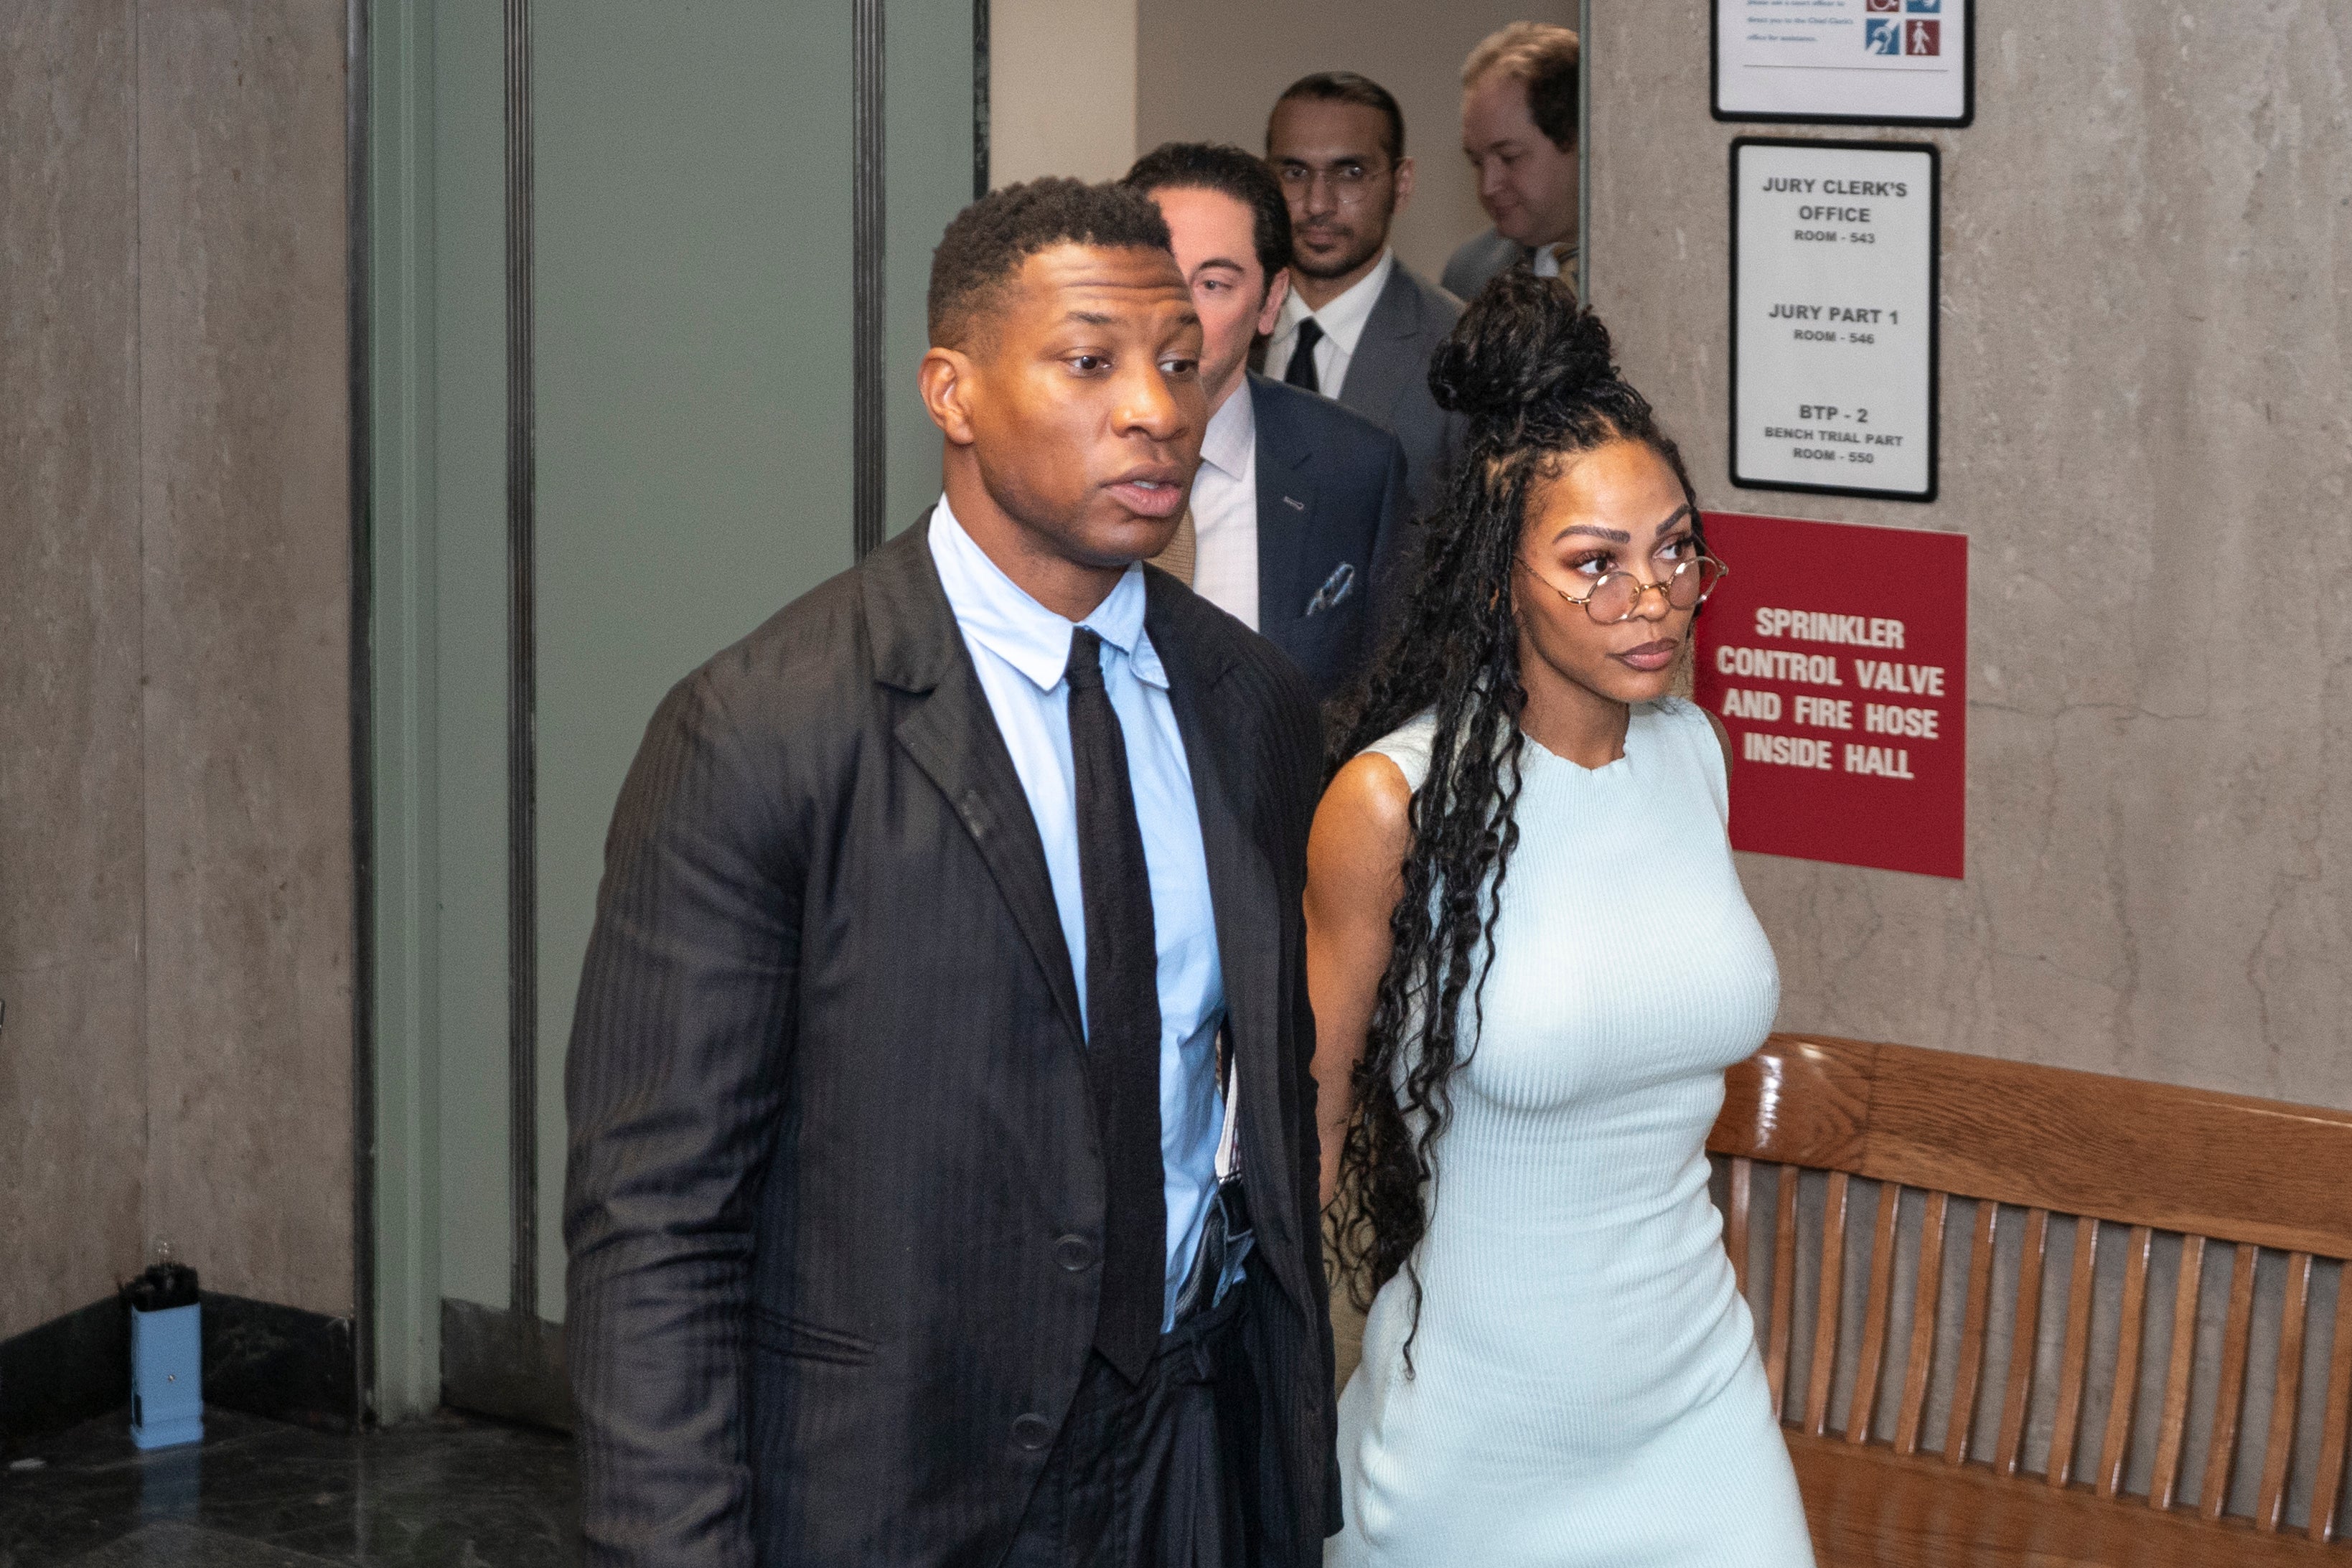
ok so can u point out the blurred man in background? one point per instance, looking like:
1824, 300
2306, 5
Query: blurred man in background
1298, 510
1359, 325
1519, 129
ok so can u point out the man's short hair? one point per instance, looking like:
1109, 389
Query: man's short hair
1216, 166
1347, 87
987, 242
1542, 58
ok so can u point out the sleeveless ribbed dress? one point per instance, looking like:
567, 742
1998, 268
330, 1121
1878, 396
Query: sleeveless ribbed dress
1585, 1386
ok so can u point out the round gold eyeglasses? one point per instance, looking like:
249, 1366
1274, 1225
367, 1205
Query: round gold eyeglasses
1348, 182
1618, 594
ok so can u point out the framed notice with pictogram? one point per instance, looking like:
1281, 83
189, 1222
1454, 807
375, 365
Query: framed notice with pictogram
1846, 62
1836, 655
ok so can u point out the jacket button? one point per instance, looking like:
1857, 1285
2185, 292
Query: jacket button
1075, 1253
1031, 1432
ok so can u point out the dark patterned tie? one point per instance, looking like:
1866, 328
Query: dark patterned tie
1122, 1019
1301, 373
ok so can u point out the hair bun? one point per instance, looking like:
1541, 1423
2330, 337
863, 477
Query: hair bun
1524, 344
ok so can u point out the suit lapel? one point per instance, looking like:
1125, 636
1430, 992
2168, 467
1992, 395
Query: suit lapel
1285, 515
1246, 899
952, 735
1378, 373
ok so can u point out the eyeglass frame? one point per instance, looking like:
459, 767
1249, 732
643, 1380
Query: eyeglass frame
1341, 194
1641, 588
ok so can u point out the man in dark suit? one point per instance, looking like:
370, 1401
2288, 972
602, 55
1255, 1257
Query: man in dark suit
1359, 325
1300, 520
1519, 131
942, 1171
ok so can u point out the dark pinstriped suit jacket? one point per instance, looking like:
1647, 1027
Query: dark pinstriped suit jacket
830, 1125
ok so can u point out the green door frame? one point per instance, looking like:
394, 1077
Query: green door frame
509, 1361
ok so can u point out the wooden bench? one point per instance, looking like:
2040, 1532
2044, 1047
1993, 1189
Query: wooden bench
1948, 1185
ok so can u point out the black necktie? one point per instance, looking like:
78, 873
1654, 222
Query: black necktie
1122, 1019
1301, 372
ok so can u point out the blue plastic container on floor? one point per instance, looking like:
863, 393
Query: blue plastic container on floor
167, 1340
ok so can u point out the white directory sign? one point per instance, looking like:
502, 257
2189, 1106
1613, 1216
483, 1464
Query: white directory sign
1878, 62
1833, 317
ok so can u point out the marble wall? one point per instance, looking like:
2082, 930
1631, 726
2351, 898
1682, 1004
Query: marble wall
2147, 387
73, 1090
175, 846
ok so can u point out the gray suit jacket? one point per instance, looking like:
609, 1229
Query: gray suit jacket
1388, 380
1478, 258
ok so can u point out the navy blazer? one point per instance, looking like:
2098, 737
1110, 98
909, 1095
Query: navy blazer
1333, 532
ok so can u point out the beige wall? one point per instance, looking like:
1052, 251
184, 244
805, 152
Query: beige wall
1061, 88
1210, 69
175, 829
2147, 437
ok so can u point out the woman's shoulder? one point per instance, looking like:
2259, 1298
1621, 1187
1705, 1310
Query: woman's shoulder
1408, 746
1686, 733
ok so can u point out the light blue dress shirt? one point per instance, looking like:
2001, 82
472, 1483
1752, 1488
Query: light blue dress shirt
1021, 650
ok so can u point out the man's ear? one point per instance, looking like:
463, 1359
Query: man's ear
1276, 293
1403, 187
946, 378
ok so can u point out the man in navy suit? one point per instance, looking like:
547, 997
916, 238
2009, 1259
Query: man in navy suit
1298, 522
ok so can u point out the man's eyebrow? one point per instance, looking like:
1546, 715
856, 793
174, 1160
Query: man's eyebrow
1220, 261
1088, 317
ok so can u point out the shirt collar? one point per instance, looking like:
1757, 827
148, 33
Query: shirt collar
1231, 435
997, 613
1342, 319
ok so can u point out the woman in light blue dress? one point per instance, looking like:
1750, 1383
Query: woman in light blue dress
1531, 961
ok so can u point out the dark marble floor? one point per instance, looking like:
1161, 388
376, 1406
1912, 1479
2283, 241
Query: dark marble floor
451, 1493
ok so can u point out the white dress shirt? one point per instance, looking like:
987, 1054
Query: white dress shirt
1021, 651
1225, 509
1553, 261
1342, 320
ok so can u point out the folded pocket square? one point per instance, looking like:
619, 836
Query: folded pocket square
1335, 590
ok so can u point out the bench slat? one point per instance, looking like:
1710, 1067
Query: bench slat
1873, 1315
2214, 1495
1918, 1366
1735, 1238
1972, 1335
2060, 1468
1784, 1286
2024, 1337
2338, 1414
2278, 1451
2164, 1481
2114, 1450
1826, 1305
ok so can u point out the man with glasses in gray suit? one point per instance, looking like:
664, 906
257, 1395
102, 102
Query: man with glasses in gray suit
1359, 326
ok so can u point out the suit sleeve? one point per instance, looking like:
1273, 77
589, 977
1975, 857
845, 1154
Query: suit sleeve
1300, 773
1396, 548
672, 1083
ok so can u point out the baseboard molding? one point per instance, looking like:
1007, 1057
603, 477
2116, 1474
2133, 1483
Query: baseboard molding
65, 1371
280, 1362
496, 1362
260, 1357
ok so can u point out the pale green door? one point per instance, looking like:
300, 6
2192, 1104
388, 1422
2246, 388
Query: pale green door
663, 459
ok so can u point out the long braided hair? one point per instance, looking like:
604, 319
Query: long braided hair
1532, 372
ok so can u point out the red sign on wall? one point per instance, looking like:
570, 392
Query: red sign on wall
1837, 656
